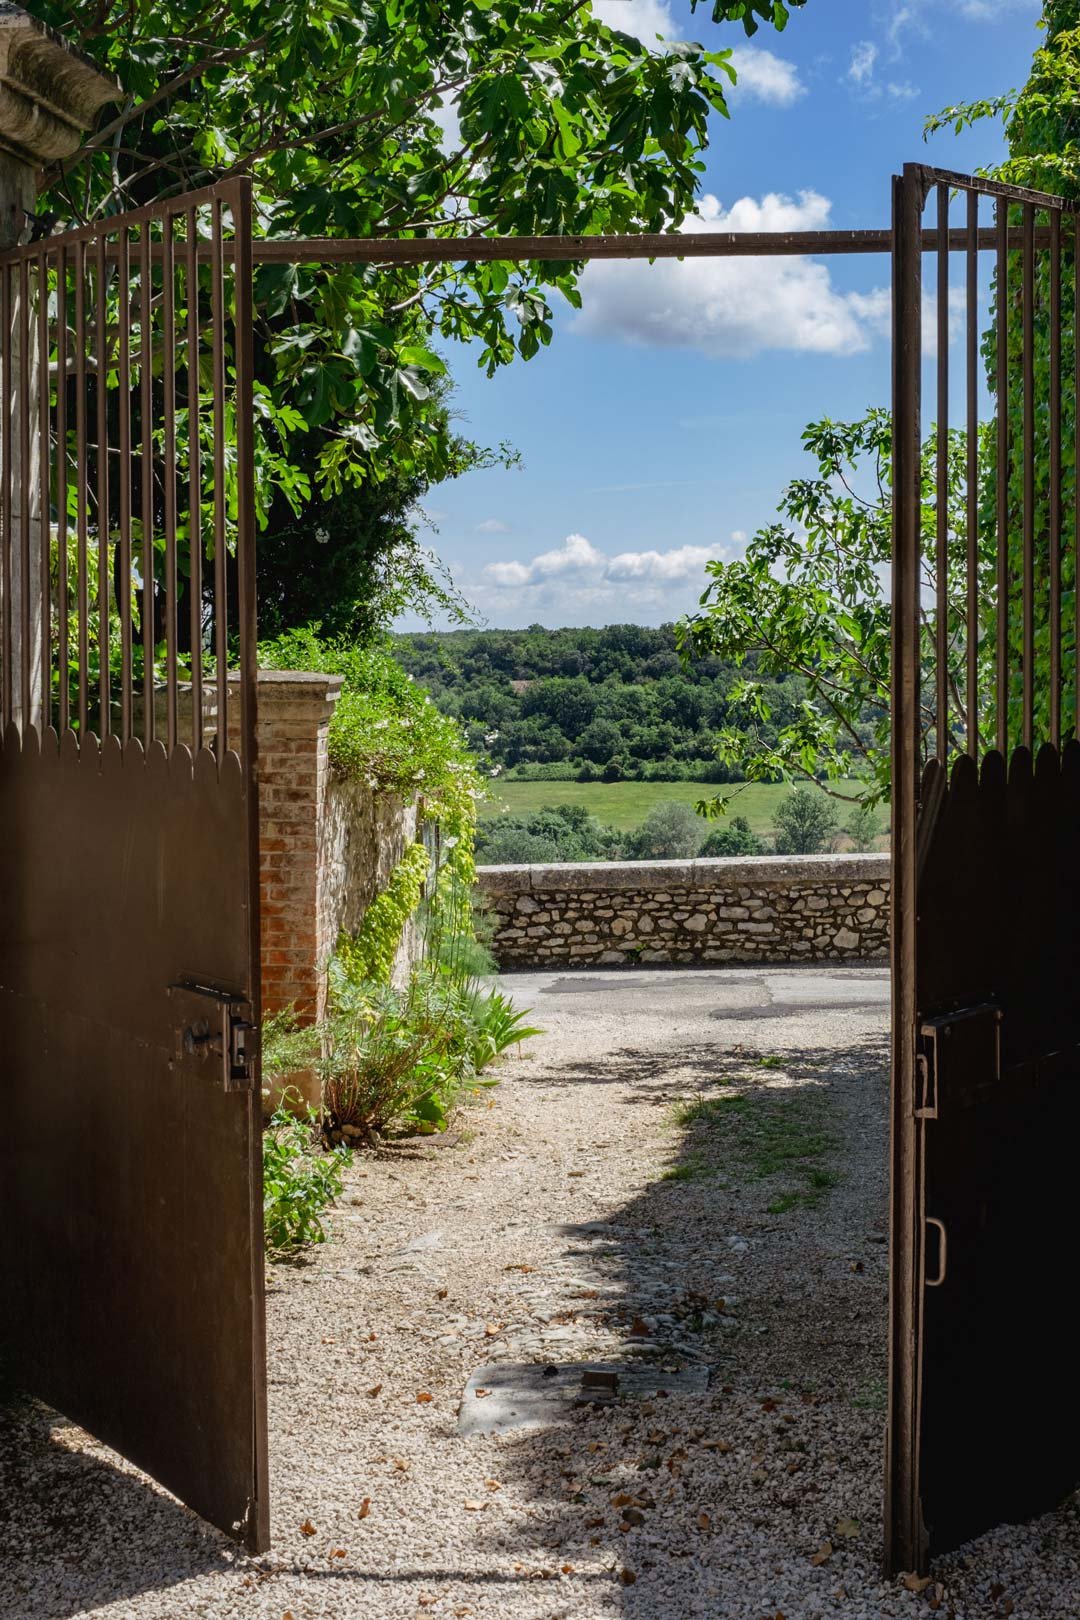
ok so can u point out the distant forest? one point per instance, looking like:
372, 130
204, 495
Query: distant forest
585, 705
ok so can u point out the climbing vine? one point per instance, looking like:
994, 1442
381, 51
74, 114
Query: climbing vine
369, 953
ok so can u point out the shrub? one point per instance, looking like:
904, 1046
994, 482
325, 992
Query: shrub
402, 1058
671, 831
736, 838
862, 827
301, 1179
804, 823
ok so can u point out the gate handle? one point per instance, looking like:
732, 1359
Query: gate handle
943, 1252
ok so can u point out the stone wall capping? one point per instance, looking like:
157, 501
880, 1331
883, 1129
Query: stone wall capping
725, 872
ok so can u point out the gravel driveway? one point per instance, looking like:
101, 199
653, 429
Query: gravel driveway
684, 1181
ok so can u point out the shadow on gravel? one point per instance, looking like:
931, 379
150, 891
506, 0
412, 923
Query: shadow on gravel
762, 1252
64, 1511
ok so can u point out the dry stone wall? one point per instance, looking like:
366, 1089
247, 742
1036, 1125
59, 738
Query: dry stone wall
761, 908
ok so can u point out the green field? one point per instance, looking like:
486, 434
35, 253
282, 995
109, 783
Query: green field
626, 804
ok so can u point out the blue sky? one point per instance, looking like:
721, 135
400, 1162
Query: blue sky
660, 426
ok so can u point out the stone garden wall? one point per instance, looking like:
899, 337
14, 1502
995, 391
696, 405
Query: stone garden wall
327, 847
762, 908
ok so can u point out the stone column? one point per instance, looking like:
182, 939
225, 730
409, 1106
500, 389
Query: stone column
49, 96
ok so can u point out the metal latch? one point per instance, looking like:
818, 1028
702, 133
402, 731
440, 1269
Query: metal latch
229, 1036
961, 1053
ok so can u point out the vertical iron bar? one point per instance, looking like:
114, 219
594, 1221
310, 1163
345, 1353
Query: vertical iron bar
941, 562
221, 597
104, 565
1001, 215
194, 481
123, 407
146, 472
1028, 371
972, 641
82, 588
243, 355
26, 637
5, 492
245, 471
168, 384
44, 486
905, 1545
63, 652
1055, 477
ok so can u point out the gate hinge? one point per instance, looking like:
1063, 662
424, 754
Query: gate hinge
961, 1051
231, 1037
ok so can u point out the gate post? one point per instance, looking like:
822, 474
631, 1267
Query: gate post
49, 96
905, 1539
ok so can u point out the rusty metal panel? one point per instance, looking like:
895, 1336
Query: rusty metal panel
131, 1162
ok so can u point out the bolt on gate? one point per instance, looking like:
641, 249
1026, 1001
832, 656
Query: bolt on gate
128, 833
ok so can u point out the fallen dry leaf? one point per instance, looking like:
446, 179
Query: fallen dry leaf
480, 1393
442, 1293
493, 1484
722, 1446
640, 1330
823, 1554
376, 1389
365, 1508
519, 1268
401, 1464
423, 1398
426, 1599
915, 1583
307, 1528
472, 1505
567, 1569
846, 1529
627, 1577
493, 1329
338, 1552
704, 1522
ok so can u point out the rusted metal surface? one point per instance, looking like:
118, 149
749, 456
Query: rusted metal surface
131, 1165
986, 924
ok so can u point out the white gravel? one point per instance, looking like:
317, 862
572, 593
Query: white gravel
547, 1234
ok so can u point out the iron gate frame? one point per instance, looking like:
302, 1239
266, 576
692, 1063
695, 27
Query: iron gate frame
907, 241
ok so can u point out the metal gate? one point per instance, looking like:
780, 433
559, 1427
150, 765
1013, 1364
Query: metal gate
130, 1155
986, 838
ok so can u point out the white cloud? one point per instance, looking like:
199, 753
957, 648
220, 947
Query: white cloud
493, 526
576, 582
679, 563
575, 553
730, 308
578, 556
864, 55
765, 77
642, 18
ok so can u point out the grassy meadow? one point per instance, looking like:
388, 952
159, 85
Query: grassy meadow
626, 804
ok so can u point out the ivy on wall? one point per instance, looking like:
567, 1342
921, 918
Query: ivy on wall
369, 953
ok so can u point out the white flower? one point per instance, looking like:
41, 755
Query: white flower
495, 769
450, 843
322, 536
419, 777
380, 725
490, 737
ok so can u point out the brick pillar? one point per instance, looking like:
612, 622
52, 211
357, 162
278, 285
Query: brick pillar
294, 774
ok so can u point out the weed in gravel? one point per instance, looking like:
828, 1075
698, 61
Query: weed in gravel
769, 1133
